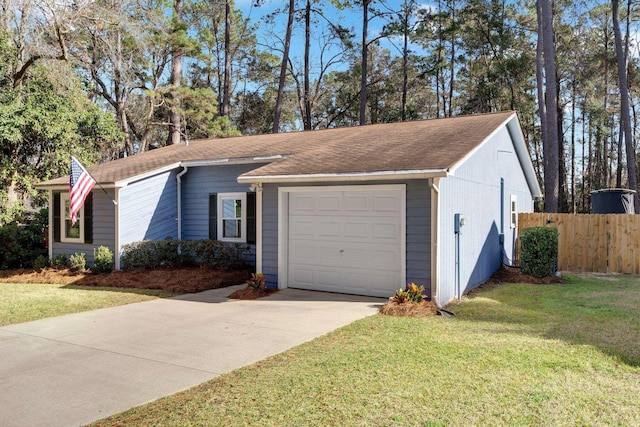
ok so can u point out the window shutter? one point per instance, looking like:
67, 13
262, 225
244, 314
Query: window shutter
213, 216
56, 217
88, 218
251, 218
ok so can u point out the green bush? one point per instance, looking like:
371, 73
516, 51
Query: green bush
151, 254
41, 262
60, 262
539, 251
102, 260
219, 255
22, 240
78, 261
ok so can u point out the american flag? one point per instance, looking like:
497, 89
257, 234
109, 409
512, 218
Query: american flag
80, 185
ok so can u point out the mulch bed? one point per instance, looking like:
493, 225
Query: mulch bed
179, 281
514, 275
409, 309
507, 274
249, 293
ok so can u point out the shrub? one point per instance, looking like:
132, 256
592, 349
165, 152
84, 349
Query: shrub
152, 254
22, 240
78, 261
59, 262
539, 251
41, 262
219, 255
102, 260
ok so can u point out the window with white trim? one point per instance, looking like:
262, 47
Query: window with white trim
232, 217
70, 233
514, 211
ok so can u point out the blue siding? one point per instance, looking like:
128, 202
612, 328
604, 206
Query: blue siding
418, 231
474, 192
197, 184
103, 229
148, 209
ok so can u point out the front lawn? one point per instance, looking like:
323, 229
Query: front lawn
21, 302
515, 354
30, 295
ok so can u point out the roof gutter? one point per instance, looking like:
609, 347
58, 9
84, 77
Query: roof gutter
335, 177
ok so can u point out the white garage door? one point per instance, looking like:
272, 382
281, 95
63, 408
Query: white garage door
347, 240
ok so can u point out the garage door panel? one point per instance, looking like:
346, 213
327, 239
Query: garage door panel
303, 276
357, 203
302, 204
302, 228
384, 204
303, 250
385, 231
346, 241
357, 230
385, 259
329, 203
329, 229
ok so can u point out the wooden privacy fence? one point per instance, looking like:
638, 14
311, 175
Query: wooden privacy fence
592, 243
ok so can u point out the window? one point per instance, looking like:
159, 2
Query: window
70, 233
239, 219
232, 217
514, 211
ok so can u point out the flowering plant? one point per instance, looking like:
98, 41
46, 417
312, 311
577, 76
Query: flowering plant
257, 281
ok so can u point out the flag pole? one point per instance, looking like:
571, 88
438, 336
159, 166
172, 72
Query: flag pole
105, 191
96, 181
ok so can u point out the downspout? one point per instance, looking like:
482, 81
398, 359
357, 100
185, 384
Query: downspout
116, 195
179, 191
257, 187
435, 232
502, 212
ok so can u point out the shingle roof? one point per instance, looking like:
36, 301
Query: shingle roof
436, 144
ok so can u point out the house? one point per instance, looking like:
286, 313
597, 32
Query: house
361, 210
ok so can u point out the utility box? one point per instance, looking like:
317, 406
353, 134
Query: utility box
612, 201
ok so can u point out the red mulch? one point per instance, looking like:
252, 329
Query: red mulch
410, 309
514, 275
179, 281
507, 274
251, 293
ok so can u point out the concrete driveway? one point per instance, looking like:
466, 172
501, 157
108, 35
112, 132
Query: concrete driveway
75, 369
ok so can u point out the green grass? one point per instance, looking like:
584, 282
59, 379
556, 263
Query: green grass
24, 302
515, 355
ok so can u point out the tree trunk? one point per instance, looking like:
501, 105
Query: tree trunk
540, 79
283, 68
174, 83
452, 73
624, 105
573, 145
226, 101
365, 53
405, 59
550, 145
307, 51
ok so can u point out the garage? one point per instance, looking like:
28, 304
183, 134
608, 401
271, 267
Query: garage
348, 239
